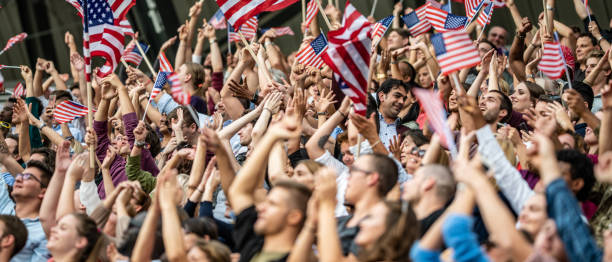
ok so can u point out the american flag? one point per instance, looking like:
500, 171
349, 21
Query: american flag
434, 3
249, 30
160, 82
380, 28
436, 116
454, 51
102, 31
218, 20
132, 53
311, 12
311, 54
239, 12
280, 31
552, 62
19, 91
484, 18
442, 21
279, 4
164, 64
472, 7
126, 27
348, 55
176, 89
417, 22
68, 110
13, 40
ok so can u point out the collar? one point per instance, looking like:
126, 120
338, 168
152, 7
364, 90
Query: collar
381, 119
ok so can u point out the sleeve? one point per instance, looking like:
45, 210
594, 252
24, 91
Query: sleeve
197, 59
247, 242
7, 206
88, 193
166, 104
217, 81
147, 162
457, 234
101, 129
206, 209
35, 138
328, 160
420, 254
41, 253
211, 105
190, 208
506, 176
130, 121
563, 208
133, 172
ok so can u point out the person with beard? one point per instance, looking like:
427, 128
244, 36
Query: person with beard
392, 95
496, 108
14, 236
121, 143
183, 124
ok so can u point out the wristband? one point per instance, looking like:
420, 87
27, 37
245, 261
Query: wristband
140, 143
530, 76
42, 124
321, 113
550, 8
212, 40
373, 145
599, 39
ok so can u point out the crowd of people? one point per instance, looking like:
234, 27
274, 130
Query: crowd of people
272, 163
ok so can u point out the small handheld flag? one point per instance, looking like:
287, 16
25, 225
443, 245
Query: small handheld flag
442, 21
13, 40
380, 28
417, 22
68, 110
311, 54
19, 91
454, 51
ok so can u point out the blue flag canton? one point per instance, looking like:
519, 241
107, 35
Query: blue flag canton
99, 12
145, 48
319, 44
386, 21
411, 19
454, 21
162, 79
488, 9
437, 41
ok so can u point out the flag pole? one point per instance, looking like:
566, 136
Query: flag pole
323, 14
92, 155
458, 87
248, 47
145, 58
374, 8
569, 80
585, 7
145, 111
304, 11
11, 67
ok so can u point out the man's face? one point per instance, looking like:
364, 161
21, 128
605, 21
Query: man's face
497, 36
490, 104
77, 94
6, 114
121, 142
28, 188
412, 187
245, 134
272, 213
393, 102
358, 181
483, 48
395, 41
583, 47
549, 242
591, 63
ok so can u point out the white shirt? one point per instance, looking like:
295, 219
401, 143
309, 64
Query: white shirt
387, 131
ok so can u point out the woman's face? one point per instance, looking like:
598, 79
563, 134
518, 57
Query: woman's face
64, 237
424, 78
302, 175
372, 226
406, 147
195, 254
533, 215
521, 98
413, 161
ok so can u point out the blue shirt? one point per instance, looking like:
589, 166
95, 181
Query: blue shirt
35, 248
387, 131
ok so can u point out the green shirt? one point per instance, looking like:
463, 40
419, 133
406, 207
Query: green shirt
133, 172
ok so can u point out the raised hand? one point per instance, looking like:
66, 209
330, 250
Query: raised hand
366, 126
140, 132
179, 120
79, 166
20, 112
326, 187
40, 64
485, 61
77, 62
209, 31
525, 27
109, 91
324, 101
575, 102
168, 197
26, 73
49, 67
240, 90
563, 119
195, 9
183, 31
210, 137
111, 153
168, 44
603, 169
273, 102
62, 158
395, 147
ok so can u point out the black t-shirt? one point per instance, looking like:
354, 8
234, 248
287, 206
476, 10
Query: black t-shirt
198, 104
347, 236
429, 220
248, 243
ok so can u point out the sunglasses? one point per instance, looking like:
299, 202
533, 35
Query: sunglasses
28, 176
417, 152
5, 124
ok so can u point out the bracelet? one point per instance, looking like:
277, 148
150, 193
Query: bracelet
342, 114
321, 113
550, 8
530, 76
212, 40
599, 39
373, 145
42, 124
268, 110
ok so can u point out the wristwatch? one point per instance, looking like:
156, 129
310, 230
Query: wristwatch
140, 143
42, 124
321, 113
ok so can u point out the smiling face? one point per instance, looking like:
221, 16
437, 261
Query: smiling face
120, 142
31, 188
497, 36
392, 103
372, 226
533, 215
64, 238
584, 45
424, 78
521, 98
490, 104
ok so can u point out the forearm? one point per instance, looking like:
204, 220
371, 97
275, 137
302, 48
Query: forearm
516, 58
591, 120
180, 55
65, 204
216, 60
276, 163
475, 87
516, 15
197, 52
302, 249
328, 240
605, 141
37, 83
59, 82
197, 169
102, 114
24, 141
229, 131
107, 180
260, 126
125, 103
144, 246
172, 235
566, 32
493, 84
152, 112
234, 76
312, 146
49, 203
53, 136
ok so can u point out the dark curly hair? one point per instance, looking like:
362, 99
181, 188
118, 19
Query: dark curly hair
581, 167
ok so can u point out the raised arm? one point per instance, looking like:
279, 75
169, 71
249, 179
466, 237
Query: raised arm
198, 166
171, 224
38, 77
183, 33
69, 41
315, 144
48, 207
59, 82
20, 118
143, 248
605, 141
328, 240
518, 47
242, 191
229, 131
78, 167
